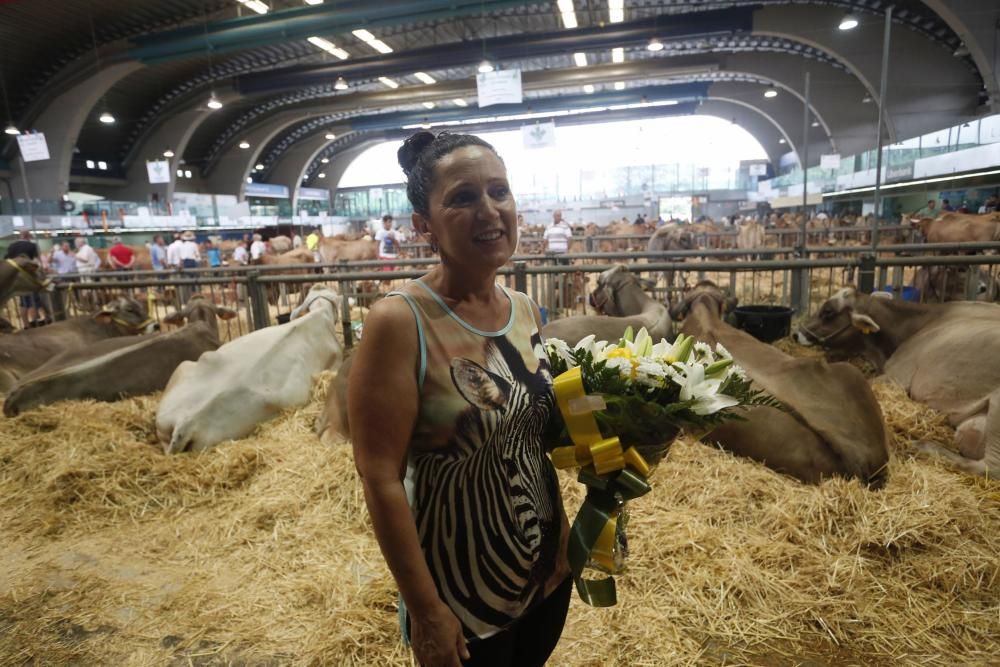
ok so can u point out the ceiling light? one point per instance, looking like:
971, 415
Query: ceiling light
259, 167
321, 174
655, 45
616, 11
255, 5
102, 165
106, 118
568, 13
244, 144
187, 173
460, 102
168, 153
372, 41
425, 77
428, 105
771, 92
325, 160
618, 55
781, 141
815, 123
619, 85
961, 51
580, 59
90, 164
588, 88
867, 99
389, 82
329, 47
341, 84
249, 180
11, 129
213, 102
314, 2
180, 173
330, 136
849, 22
485, 66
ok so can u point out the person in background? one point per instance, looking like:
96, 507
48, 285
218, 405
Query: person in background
388, 242
31, 303
257, 249
447, 404
87, 259
928, 211
63, 261
174, 253
158, 253
213, 254
240, 254
991, 205
120, 256
557, 236
946, 206
296, 241
189, 253
312, 241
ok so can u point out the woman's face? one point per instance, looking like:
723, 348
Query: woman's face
473, 216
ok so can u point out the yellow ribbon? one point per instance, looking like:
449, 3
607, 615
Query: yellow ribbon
38, 283
590, 447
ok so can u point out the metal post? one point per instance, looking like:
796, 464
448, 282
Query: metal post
866, 274
521, 277
27, 193
881, 115
346, 290
58, 299
804, 154
260, 318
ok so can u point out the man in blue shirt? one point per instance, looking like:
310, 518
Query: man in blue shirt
158, 253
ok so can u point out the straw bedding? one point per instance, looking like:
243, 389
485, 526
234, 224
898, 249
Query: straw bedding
260, 553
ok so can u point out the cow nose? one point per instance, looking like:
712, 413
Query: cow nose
802, 339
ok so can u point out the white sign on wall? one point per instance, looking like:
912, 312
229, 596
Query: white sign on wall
539, 135
33, 147
831, 161
159, 171
758, 170
500, 87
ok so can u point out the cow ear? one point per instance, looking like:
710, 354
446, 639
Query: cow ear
730, 304
104, 316
174, 318
864, 324
485, 390
225, 313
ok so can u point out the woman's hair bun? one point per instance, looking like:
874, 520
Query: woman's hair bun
410, 151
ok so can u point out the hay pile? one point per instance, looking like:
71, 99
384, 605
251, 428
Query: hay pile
260, 552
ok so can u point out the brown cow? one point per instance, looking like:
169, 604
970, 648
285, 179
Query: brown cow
833, 425
24, 351
200, 309
334, 250
960, 228
671, 237
938, 284
620, 296
944, 355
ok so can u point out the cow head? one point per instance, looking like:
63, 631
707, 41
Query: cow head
200, 309
128, 316
838, 326
319, 297
605, 297
708, 292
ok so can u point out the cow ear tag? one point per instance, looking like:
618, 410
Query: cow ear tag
864, 324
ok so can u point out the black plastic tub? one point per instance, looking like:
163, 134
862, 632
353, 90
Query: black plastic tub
765, 323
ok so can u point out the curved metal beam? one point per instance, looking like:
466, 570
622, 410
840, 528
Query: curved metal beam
978, 26
760, 125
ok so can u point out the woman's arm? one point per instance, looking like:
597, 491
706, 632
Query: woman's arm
382, 410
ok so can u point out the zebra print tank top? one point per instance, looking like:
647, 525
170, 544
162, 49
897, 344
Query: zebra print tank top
483, 494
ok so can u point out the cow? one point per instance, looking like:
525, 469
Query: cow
227, 393
938, 284
960, 228
750, 236
334, 250
111, 369
24, 351
831, 426
944, 355
619, 294
281, 244
200, 309
671, 237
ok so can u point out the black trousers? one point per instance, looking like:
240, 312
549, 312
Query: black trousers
529, 641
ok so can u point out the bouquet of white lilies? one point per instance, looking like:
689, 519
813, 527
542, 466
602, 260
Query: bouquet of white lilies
622, 404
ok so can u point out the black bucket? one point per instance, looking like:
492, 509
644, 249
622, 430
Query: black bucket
284, 318
765, 323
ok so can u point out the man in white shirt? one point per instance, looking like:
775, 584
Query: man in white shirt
240, 254
557, 236
174, 253
87, 259
257, 248
189, 253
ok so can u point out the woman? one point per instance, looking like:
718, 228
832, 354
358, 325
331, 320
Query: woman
447, 403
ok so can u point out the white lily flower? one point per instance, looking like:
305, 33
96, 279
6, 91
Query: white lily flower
561, 348
705, 392
722, 352
703, 352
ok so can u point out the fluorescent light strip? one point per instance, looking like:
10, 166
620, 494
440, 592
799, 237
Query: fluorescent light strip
389, 82
618, 55
255, 5
372, 41
894, 186
588, 88
568, 13
460, 102
580, 59
619, 85
544, 114
329, 47
616, 11
425, 77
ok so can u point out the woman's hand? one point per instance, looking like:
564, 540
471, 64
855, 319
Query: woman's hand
436, 638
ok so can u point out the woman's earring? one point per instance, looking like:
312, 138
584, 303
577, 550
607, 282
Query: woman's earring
433, 244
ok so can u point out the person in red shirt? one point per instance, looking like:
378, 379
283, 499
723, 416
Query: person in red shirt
121, 256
